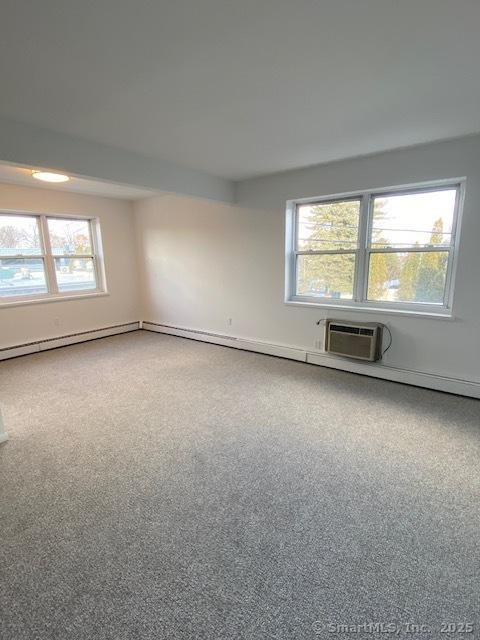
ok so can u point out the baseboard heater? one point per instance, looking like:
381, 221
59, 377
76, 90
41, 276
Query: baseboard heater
222, 339
62, 341
381, 371
147, 323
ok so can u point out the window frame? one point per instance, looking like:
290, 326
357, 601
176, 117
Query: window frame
363, 251
53, 293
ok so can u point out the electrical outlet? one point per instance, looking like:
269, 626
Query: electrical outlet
318, 344
229, 322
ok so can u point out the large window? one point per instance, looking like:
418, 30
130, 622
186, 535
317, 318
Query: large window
390, 249
48, 257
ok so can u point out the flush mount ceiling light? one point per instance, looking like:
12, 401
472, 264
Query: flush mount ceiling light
48, 176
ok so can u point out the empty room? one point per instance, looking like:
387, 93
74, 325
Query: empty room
239, 319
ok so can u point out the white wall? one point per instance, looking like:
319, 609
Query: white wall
33, 322
202, 262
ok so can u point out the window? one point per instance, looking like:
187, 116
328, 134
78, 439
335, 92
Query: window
390, 249
48, 257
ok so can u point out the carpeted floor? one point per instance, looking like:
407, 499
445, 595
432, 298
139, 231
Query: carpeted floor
156, 487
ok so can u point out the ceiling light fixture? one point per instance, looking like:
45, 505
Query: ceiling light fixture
48, 176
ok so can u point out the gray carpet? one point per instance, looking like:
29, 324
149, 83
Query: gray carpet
156, 487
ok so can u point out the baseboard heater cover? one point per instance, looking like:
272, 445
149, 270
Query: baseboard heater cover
373, 369
267, 348
415, 378
64, 340
147, 323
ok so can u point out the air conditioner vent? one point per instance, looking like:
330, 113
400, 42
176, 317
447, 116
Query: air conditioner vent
359, 331
360, 340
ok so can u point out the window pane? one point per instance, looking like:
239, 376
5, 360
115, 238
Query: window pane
413, 276
326, 226
69, 236
326, 275
75, 274
22, 277
414, 219
19, 235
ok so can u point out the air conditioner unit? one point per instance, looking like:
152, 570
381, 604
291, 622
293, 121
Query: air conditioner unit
359, 340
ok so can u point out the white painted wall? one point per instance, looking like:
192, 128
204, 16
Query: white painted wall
202, 262
33, 322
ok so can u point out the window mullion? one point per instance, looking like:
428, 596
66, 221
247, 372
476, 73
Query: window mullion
291, 248
97, 252
361, 254
76, 256
48, 257
326, 252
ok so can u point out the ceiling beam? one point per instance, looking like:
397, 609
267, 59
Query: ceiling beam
32, 146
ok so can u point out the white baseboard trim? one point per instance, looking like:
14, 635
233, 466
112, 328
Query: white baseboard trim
375, 370
405, 376
225, 340
63, 341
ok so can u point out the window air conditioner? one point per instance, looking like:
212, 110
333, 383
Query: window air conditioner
360, 340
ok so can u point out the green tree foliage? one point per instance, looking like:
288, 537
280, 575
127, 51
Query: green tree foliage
409, 276
422, 277
331, 226
328, 227
335, 226
383, 267
378, 275
433, 266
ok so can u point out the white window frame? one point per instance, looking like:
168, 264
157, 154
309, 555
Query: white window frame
360, 302
53, 293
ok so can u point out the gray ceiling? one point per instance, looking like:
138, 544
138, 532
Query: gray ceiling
246, 87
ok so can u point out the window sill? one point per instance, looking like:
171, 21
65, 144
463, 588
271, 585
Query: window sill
53, 298
436, 315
